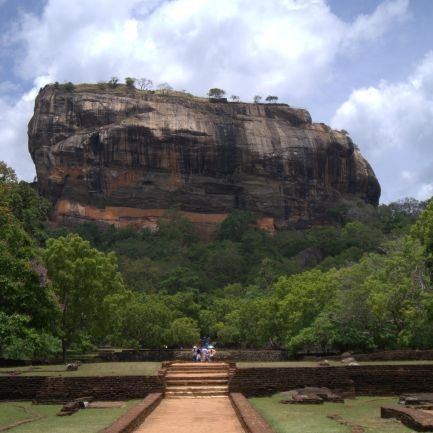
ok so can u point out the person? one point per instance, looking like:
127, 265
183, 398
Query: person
194, 353
198, 354
204, 354
212, 353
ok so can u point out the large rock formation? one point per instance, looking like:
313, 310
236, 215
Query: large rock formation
125, 156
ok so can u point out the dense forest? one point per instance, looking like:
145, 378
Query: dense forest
361, 284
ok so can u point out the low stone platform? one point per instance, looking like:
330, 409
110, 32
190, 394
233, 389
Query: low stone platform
417, 399
416, 419
311, 395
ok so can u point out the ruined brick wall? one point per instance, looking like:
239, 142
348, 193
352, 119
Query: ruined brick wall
267, 381
396, 355
170, 354
20, 387
362, 380
367, 380
62, 389
391, 379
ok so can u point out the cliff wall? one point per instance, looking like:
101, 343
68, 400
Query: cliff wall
124, 156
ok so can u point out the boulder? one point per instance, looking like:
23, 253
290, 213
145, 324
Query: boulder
73, 366
124, 157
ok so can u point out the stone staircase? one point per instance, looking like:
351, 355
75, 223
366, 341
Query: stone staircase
197, 379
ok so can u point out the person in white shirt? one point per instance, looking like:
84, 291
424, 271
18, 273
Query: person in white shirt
204, 354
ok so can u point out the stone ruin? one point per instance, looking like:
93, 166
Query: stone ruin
310, 395
415, 411
75, 405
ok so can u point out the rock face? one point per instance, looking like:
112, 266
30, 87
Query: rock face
125, 156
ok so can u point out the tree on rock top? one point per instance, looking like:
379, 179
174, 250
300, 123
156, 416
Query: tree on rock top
216, 93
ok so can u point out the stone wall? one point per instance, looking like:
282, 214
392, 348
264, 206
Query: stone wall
62, 389
367, 380
20, 387
134, 355
396, 355
168, 355
267, 381
391, 380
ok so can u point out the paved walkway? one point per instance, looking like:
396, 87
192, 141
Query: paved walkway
192, 415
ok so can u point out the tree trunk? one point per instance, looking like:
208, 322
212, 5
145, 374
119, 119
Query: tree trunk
63, 350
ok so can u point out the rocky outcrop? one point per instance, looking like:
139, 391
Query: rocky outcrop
124, 156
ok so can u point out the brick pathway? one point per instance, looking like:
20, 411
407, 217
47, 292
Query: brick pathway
192, 415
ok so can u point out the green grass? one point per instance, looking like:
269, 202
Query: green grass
362, 411
298, 364
83, 421
14, 412
90, 369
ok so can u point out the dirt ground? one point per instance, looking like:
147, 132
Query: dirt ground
192, 415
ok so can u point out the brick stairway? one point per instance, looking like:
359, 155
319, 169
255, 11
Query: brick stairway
197, 379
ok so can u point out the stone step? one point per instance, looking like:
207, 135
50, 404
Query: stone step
197, 388
224, 364
199, 364
197, 368
204, 393
192, 380
196, 396
197, 380
204, 375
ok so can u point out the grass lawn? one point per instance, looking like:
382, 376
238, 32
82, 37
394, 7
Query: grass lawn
279, 364
361, 411
91, 369
83, 421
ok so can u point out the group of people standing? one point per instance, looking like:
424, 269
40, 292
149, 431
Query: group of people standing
203, 353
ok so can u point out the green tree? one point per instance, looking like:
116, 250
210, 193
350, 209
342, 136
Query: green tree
423, 230
23, 283
183, 331
236, 225
129, 81
29, 208
7, 174
224, 264
302, 297
257, 99
27, 306
397, 217
81, 277
19, 340
382, 301
69, 86
137, 320
174, 226
271, 99
113, 82
216, 93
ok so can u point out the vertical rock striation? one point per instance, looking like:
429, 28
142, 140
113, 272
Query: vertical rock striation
125, 156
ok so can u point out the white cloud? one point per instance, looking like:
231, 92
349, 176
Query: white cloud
282, 47
425, 191
370, 27
14, 117
393, 125
248, 46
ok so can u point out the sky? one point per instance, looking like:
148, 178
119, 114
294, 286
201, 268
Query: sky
365, 66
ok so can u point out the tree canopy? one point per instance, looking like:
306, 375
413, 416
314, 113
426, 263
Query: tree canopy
81, 277
216, 93
362, 283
